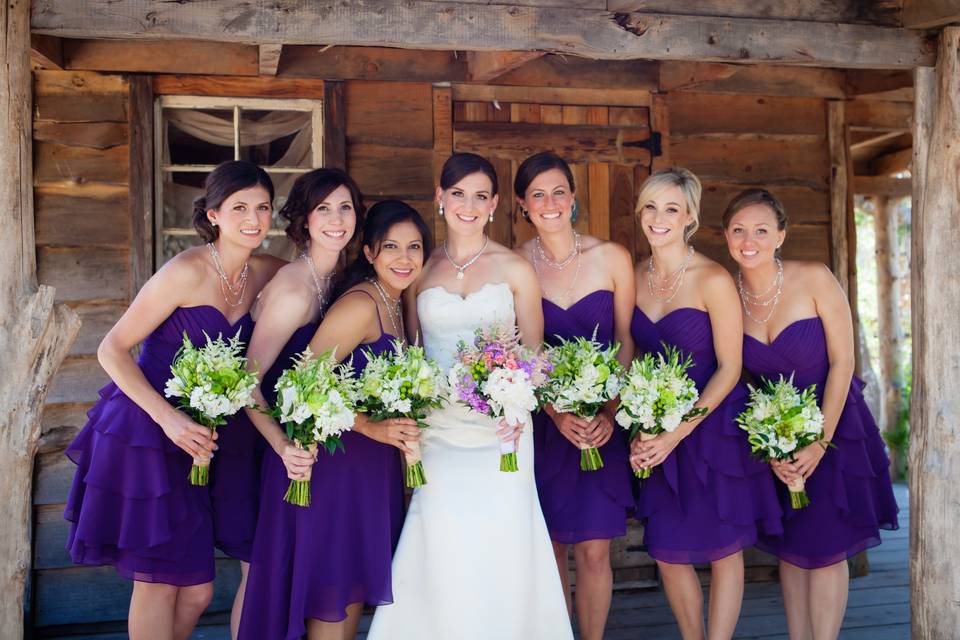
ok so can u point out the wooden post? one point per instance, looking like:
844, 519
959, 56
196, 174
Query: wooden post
886, 223
35, 334
935, 405
839, 179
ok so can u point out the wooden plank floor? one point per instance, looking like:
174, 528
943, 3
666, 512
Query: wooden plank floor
878, 607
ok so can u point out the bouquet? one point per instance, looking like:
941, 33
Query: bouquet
658, 395
496, 376
212, 383
402, 383
779, 420
316, 402
585, 376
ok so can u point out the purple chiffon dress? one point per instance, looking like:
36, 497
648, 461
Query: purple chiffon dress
851, 496
580, 505
709, 499
312, 562
131, 504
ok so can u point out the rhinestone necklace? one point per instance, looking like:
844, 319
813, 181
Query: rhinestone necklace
672, 283
321, 291
577, 253
394, 309
461, 268
225, 286
763, 299
561, 264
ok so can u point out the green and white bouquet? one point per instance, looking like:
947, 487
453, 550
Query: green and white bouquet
585, 376
780, 420
316, 402
211, 383
403, 383
657, 397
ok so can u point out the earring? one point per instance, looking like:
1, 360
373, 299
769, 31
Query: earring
524, 214
574, 211
213, 223
440, 210
491, 217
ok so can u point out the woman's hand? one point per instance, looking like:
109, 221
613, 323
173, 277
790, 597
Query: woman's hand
195, 439
395, 432
297, 461
510, 432
806, 460
571, 427
784, 470
599, 430
650, 453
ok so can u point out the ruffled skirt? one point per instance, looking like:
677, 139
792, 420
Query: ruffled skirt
235, 486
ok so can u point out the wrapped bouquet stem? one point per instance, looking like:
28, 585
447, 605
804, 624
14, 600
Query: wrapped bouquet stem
657, 397
779, 421
316, 403
585, 375
402, 383
212, 383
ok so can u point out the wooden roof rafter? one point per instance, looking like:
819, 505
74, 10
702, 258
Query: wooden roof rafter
591, 33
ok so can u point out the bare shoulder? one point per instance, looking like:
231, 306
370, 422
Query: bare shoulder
709, 270
525, 250
811, 276
357, 304
266, 265
187, 269
608, 250
288, 289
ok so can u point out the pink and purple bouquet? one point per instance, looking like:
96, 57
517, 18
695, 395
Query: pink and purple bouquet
496, 376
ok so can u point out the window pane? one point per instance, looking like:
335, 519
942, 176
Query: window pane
199, 136
276, 138
179, 191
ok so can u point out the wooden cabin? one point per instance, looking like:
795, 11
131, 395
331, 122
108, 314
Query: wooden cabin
131, 102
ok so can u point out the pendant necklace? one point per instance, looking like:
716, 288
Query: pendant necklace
577, 254
463, 267
670, 286
321, 291
225, 286
394, 309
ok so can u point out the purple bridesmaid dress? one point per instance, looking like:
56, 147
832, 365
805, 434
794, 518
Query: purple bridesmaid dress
131, 504
709, 499
311, 562
580, 505
851, 496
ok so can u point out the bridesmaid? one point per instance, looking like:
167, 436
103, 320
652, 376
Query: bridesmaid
314, 568
131, 505
706, 498
587, 285
797, 322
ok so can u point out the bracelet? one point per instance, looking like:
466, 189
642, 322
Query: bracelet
823, 444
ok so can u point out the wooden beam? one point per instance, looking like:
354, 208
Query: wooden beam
46, 52
575, 143
925, 14
551, 95
880, 84
893, 162
935, 404
238, 86
447, 25
334, 126
864, 139
35, 333
882, 186
881, 12
879, 115
169, 56
767, 80
372, 63
269, 58
141, 181
442, 145
838, 191
483, 66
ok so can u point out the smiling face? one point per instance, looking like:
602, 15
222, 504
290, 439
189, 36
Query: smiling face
468, 204
549, 201
399, 258
331, 223
664, 216
243, 217
752, 236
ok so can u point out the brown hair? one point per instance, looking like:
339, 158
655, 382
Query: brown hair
307, 192
749, 197
224, 181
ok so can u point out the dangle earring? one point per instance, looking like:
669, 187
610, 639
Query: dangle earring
440, 210
574, 211
491, 217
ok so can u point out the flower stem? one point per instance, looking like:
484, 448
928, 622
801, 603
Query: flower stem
508, 462
590, 459
298, 493
199, 476
799, 499
642, 473
415, 476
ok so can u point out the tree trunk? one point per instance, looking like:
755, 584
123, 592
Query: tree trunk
885, 221
935, 406
35, 334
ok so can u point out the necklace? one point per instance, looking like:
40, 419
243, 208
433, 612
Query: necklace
463, 267
670, 285
321, 291
577, 253
394, 309
561, 264
762, 299
225, 286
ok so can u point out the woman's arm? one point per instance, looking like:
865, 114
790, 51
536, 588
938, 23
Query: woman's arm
527, 300
624, 299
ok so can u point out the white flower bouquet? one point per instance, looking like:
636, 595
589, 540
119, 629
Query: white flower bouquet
402, 383
585, 375
211, 383
657, 397
779, 420
316, 402
496, 376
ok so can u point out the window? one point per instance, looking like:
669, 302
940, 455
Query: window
195, 133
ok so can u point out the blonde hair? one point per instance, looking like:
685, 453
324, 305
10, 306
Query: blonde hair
689, 186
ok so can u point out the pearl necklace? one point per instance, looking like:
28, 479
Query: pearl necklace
672, 283
461, 268
577, 253
394, 309
321, 291
225, 286
761, 299
562, 264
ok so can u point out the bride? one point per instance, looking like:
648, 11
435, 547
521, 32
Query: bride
474, 559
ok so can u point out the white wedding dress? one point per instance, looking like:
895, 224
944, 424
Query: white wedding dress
474, 560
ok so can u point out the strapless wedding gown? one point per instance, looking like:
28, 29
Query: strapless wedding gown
474, 561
